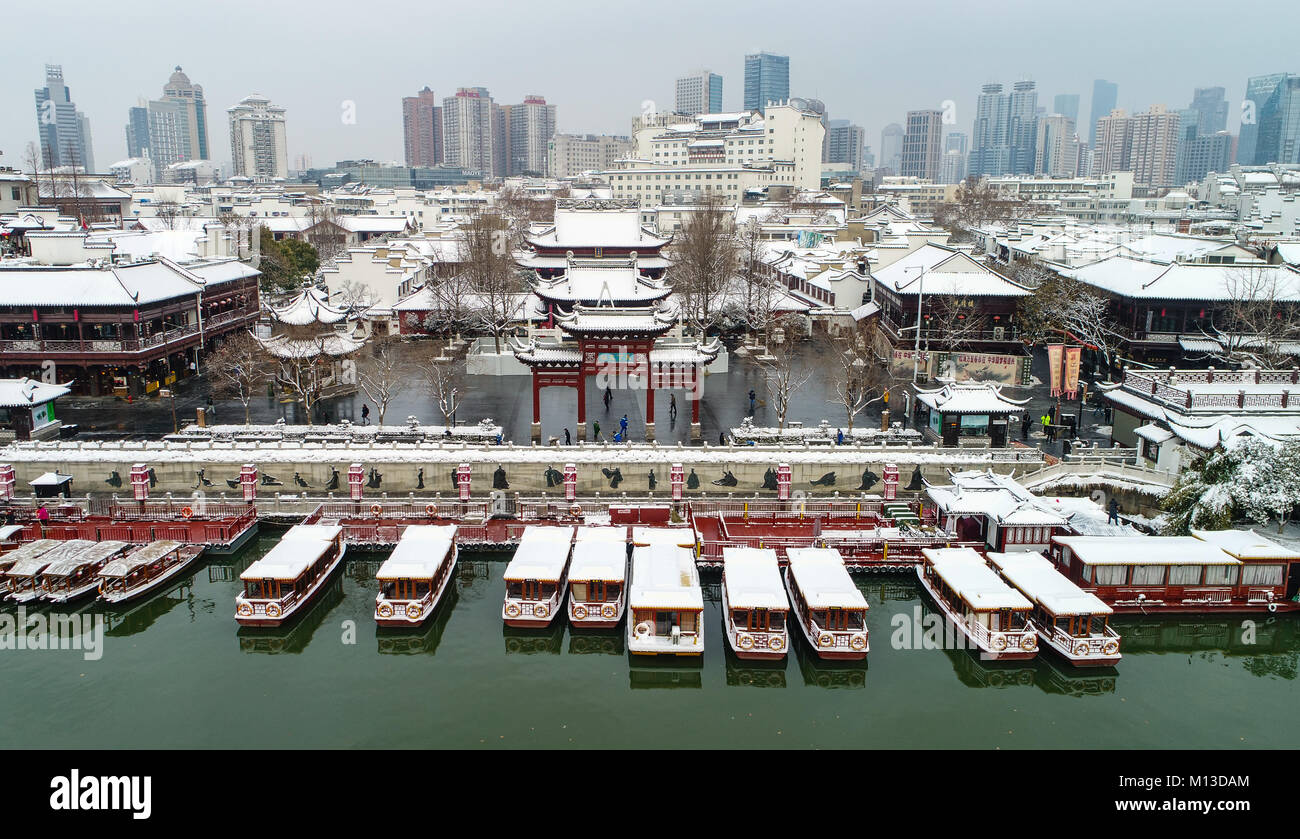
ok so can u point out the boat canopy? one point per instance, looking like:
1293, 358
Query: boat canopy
665, 577
1039, 580
542, 554
10, 531
753, 578
31, 550
969, 576
1247, 544
296, 551
680, 536
819, 573
419, 553
599, 560
34, 563
96, 552
601, 534
151, 552
1145, 550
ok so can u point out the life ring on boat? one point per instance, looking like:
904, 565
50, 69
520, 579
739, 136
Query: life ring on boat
643, 630
187, 513
1081, 650
776, 643
580, 612
1029, 642
1000, 643
540, 610
385, 610
413, 611
825, 640
245, 609
376, 509
272, 610
608, 611
858, 642
1272, 607
1111, 647
512, 610
575, 510
431, 509
746, 642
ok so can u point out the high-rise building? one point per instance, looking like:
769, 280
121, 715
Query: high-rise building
1114, 143
529, 129
891, 148
699, 93
473, 132
767, 79
1056, 147
137, 131
952, 168
923, 145
1104, 97
844, 144
64, 131
990, 150
1022, 126
1258, 91
172, 129
258, 146
572, 154
422, 129
1279, 124
1211, 106
188, 102
1203, 154
1067, 105
956, 141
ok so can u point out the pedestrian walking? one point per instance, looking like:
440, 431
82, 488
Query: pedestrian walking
568, 441
722, 438
365, 414
43, 516
1112, 510
608, 397
1024, 426
753, 397
839, 436
595, 428
672, 406
622, 425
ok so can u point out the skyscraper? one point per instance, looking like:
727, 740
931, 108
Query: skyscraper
422, 129
1104, 96
891, 148
1211, 107
258, 146
188, 102
699, 93
1067, 105
1279, 124
137, 130
990, 150
64, 131
923, 145
530, 126
767, 78
473, 132
844, 144
1022, 126
1258, 91
1056, 147
1111, 151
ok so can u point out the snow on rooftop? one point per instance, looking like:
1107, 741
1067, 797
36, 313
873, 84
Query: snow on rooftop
821, 576
543, 554
600, 558
1039, 580
753, 578
1246, 544
969, 576
664, 576
1145, 550
296, 551
25, 393
419, 552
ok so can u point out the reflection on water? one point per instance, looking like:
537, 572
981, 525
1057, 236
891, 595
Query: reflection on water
294, 637
1266, 646
135, 617
534, 641
597, 642
829, 673
975, 673
665, 672
421, 640
757, 674
1056, 675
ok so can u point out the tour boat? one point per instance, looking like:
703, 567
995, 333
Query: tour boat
11, 536
1068, 619
979, 603
754, 605
145, 569
665, 602
1199, 573
829, 609
535, 577
681, 536
280, 584
77, 575
598, 577
29, 551
415, 576
22, 580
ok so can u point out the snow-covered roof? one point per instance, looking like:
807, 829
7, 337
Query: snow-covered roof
999, 497
1153, 433
333, 344
31, 550
1145, 550
1247, 544
50, 479
1039, 580
308, 307
595, 281
1136, 278
151, 552
753, 578
26, 393
664, 576
123, 286
419, 552
597, 222
600, 558
296, 551
947, 271
970, 398
96, 552
543, 554
967, 574
823, 580
35, 561
680, 536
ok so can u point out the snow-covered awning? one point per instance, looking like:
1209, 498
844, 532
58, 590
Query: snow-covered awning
970, 398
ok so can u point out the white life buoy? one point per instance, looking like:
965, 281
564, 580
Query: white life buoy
825, 640
776, 643
512, 610
745, 641
575, 510
580, 612
413, 611
1272, 607
376, 509
431, 509
858, 642
1112, 647
245, 609
608, 611
385, 610
272, 610
540, 610
643, 629
1029, 642
999, 643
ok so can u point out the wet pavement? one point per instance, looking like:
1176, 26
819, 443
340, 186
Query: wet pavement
507, 400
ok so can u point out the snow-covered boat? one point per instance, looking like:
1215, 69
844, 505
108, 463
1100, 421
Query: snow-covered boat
280, 584
598, 577
415, 576
77, 575
665, 602
1073, 622
21, 583
535, 576
754, 606
29, 551
145, 569
828, 608
979, 603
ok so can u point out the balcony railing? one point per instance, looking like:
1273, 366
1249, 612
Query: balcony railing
123, 345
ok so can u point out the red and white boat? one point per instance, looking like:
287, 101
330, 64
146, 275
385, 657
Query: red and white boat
1208, 572
414, 577
828, 608
535, 577
665, 602
989, 613
598, 577
754, 606
1073, 622
280, 584
22, 582
76, 576
145, 569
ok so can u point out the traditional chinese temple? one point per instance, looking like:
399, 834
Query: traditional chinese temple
599, 283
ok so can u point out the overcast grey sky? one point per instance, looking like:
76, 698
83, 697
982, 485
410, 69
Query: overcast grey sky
870, 62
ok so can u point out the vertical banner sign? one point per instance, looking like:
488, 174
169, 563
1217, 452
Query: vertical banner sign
1054, 353
1072, 355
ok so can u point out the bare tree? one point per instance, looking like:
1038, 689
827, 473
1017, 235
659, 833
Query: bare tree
167, 212
976, 203
306, 370
491, 273
1064, 308
761, 294
383, 374
954, 319
856, 375
785, 375
443, 378
1259, 318
355, 297
324, 232
704, 258
240, 368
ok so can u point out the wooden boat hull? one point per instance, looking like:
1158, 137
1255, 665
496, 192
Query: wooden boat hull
827, 653
986, 650
399, 617
87, 590
753, 653
153, 585
301, 604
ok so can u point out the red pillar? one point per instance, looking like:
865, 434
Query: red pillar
582, 406
537, 400
650, 400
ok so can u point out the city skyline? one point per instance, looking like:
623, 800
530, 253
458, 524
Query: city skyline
375, 81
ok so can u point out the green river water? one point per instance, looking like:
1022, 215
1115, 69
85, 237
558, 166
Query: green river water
176, 671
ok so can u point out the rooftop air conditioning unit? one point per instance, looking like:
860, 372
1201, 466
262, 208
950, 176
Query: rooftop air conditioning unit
999, 332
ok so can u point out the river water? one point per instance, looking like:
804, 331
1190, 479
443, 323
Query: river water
176, 671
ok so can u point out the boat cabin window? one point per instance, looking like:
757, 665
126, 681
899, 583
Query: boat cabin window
530, 589
1185, 575
1148, 575
1221, 575
1005, 620
580, 591
838, 619
1261, 575
1109, 575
